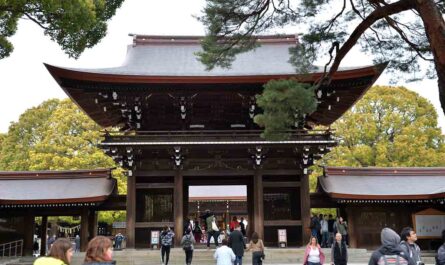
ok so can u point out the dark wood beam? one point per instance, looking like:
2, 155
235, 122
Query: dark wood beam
258, 205
84, 229
178, 197
305, 209
281, 184
43, 234
131, 211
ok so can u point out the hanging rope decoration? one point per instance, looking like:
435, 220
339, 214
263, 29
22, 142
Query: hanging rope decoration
69, 230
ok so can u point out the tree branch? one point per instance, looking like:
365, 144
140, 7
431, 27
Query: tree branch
36, 21
394, 8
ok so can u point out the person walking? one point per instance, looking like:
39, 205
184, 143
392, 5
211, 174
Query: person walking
224, 255
167, 236
212, 230
342, 228
236, 242
324, 232
99, 252
389, 252
60, 253
408, 244
313, 255
197, 231
257, 247
440, 256
187, 243
339, 251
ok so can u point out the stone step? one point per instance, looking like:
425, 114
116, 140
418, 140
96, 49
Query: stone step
205, 257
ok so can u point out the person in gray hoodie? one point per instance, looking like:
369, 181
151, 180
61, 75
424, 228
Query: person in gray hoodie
440, 257
390, 252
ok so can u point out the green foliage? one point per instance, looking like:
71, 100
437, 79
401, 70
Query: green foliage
389, 127
395, 38
284, 102
56, 135
112, 216
75, 25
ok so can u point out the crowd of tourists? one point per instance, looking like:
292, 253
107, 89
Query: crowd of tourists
325, 227
395, 249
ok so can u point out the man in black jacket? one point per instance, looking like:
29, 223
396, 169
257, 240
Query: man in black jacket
390, 252
236, 242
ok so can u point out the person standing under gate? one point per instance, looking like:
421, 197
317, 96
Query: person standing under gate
324, 231
236, 242
167, 236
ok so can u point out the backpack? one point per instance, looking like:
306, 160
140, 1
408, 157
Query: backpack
392, 260
187, 243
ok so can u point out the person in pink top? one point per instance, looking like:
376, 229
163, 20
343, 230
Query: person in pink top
313, 255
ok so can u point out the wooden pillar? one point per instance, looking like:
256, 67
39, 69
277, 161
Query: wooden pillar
43, 235
178, 206
131, 211
92, 224
28, 234
351, 227
84, 229
258, 204
305, 209
250, 209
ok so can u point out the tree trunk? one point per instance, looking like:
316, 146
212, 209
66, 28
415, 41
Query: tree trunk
435, 31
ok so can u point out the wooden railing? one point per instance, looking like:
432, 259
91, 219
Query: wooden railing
11, 249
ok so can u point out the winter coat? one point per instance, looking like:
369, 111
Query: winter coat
390, 246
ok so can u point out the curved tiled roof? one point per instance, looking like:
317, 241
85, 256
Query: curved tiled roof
49, 187
383, 183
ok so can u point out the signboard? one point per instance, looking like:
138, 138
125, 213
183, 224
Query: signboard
429, 223
119, 224
282, 238
154, 239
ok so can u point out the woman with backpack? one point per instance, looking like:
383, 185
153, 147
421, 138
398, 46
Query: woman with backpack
166, 243
187, 245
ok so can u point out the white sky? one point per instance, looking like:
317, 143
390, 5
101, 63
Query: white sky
24, 82
217, 191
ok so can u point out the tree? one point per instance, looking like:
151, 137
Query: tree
284, 102
57, 135
404, 32
75, 25
388, 127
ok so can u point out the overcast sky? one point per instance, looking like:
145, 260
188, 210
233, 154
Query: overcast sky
24, 82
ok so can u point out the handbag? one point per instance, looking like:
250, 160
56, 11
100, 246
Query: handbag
214, 226
263, 256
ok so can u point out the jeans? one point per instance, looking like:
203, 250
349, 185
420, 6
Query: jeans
238, 260
311, 263
188, 256
213, 234
324, 238
256, 258
165, 251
